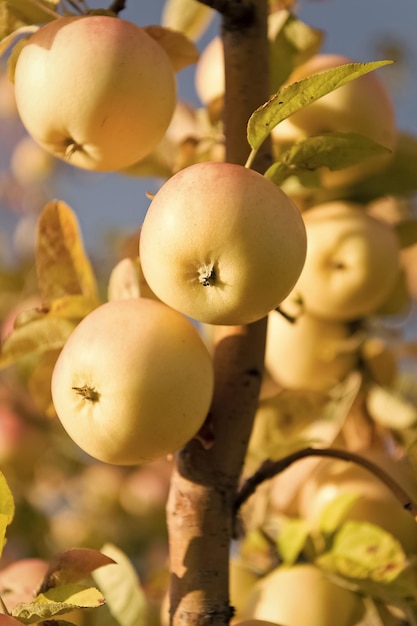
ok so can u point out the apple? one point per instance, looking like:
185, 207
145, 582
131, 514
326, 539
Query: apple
376, 503
352, 262
119, 86
133, 382
302, 594
222, 244
209, 72
241, 582
309, 353
361, 106
20, 580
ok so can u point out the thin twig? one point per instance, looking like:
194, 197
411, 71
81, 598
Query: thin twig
269, 469
44, 8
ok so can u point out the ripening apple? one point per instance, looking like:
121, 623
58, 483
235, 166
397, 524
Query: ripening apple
222, 244
96, 91
133, 382
361, 106
309, 353
20, 580
301, 595
352, 262
375, 504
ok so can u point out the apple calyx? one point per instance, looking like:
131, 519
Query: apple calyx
207, 275
88, 393
71, 147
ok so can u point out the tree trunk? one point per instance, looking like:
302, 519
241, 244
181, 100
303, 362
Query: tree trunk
206, 471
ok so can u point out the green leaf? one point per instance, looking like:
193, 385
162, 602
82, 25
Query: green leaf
362, 550
333, 513
292, 42
121, 587
40, 335
297, 95
332, 150
62, 265
292, 539
187, 16
7, 509
58, 601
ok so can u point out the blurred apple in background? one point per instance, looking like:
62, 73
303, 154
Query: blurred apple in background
352, 262
309, 353
301, 595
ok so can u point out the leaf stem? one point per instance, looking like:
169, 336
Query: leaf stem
251, 158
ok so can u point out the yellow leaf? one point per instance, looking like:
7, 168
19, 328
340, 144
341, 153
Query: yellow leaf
17, 13
6, 509
181, 51
39, 383
187, 16
40, 335
62, 265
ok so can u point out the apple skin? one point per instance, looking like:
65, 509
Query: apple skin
20, 580
119, 86
133, 383
303, 595
361, 106
309, 353
352, 262
376, 504
222, 244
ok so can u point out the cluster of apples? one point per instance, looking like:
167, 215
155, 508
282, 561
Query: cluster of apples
220, 244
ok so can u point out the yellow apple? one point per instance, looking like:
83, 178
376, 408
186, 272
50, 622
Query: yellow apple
352, 262
376, 503
222, 244
241, 582
133, 382
96, 91
209, 74
310, 353
301, 595
362, 106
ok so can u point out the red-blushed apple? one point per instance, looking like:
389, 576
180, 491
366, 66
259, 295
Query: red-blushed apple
133, 382
302, 595
119, 86
352, 262
222, 244
20, 580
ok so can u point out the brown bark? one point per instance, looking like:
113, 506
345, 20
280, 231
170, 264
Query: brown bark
206, 473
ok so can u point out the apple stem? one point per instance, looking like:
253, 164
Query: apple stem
88, 393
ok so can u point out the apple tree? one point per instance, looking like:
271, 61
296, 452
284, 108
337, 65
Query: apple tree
246, 337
